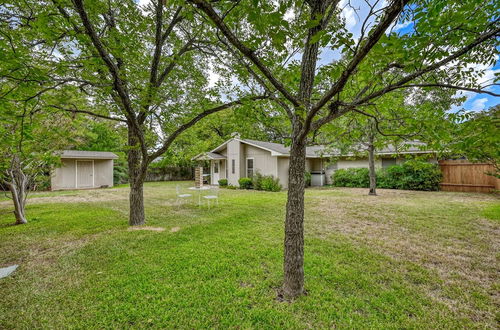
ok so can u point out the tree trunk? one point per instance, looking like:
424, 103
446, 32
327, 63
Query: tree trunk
17, 186
136, 179
371, 165
293, 285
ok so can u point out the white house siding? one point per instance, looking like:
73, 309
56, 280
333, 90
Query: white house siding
283, 168
103, 173
64, 177
233, 153
263, 161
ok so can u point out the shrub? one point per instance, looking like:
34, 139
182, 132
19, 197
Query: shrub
351, 177
266, 182
245, 183
411, 175
257, 181
270, 183
223, 183
307, 178
230, 186
421, 175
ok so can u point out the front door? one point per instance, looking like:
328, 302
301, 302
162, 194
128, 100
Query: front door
84, 174
215, 174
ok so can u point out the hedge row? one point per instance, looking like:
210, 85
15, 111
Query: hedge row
411, 175
258, 182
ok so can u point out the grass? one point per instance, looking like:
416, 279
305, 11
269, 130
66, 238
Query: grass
399, 260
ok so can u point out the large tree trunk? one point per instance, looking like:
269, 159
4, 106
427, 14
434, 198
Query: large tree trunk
371, 166
136, 179
17, 186
293, 285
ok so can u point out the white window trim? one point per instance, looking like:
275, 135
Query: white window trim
218, 167
246, 166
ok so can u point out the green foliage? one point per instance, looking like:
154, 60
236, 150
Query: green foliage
266, 182
223, 183
411, 175
270, 183
351, 177
120, 169
307, 178
245, 183
478, 137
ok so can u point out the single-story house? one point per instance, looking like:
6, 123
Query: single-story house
237, 158
83, 170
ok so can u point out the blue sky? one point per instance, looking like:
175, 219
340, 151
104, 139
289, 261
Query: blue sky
354, 19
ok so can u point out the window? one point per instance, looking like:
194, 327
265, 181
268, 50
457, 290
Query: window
249, 167
233, 165
216, 167
386, 162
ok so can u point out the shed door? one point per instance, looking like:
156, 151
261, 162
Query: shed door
84, 173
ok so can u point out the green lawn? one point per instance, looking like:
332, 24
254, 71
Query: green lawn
400, 260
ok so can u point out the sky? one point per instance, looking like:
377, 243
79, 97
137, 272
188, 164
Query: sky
474, 101
354, 20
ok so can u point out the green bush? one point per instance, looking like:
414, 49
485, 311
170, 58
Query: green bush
351, 177
421, 175
266, 182
257, 181
230, 186
411, 175
245, 183
223, 183
270, 183
307, 178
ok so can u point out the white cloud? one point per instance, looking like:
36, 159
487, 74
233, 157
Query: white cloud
479, 104
348, 14
400, 26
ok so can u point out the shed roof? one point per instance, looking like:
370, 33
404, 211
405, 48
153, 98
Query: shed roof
87, 154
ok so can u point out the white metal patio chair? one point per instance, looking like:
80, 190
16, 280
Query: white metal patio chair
180, 196
213, 195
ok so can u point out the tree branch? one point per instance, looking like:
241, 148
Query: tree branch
75, 110
196, 119
391, 14
249, 53
482, 38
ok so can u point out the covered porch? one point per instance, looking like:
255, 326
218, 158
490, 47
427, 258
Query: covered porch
217, 165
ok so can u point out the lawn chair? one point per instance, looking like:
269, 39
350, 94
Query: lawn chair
180, 195
213, 195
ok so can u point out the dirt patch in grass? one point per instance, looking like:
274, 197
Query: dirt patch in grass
175, 229
431, 232
147, 228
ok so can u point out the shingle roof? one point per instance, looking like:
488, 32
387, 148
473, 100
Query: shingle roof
208, 155
87, 154
324, 151
279, 149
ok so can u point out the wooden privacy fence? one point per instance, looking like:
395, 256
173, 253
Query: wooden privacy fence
462, 175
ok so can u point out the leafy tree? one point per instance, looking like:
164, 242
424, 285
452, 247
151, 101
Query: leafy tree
397, 120
145, 67
478, 137
29, 137
278, 46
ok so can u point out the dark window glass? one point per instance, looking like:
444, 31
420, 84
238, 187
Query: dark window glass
249, 168
386, 162
233, 165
